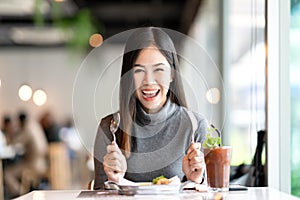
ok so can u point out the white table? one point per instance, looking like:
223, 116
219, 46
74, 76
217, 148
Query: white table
261, 193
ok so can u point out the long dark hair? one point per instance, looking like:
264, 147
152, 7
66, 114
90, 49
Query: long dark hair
140, 39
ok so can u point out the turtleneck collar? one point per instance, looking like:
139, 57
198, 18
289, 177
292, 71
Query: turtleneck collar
143, 118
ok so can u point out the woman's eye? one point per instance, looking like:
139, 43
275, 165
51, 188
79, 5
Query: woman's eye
138, 70
159, 69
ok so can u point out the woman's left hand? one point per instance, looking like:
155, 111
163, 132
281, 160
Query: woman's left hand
193, 164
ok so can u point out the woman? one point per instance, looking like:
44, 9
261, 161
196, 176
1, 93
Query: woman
155, 133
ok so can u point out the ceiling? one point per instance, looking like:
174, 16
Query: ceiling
111, 17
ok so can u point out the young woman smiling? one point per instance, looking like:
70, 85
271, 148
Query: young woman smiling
156, 131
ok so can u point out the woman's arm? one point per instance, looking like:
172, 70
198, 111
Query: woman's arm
110, 163
193, 164
101, 141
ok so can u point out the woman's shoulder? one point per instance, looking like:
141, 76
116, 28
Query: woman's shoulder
198, 122
105, 121
199, 117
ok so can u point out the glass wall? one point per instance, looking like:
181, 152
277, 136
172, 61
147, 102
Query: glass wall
295, 98
233, 34
246, 77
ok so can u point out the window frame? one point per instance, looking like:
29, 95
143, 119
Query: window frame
278, 84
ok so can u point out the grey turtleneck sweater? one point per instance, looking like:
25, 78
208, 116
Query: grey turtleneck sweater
159, 143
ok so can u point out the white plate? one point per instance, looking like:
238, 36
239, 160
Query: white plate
149, 188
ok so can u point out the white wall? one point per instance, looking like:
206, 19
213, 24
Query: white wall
55, 70
50, 69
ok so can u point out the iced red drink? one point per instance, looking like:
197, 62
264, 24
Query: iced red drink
217, 162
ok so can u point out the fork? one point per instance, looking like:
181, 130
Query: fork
114, 125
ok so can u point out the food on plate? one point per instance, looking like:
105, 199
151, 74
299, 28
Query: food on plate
161, 180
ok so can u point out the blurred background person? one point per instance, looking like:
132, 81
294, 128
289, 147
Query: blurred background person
50, 127
8, 128
33, 163
8, 153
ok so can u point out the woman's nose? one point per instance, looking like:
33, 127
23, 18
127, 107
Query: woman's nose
149, 78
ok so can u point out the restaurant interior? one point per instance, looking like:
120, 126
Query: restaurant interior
239, 62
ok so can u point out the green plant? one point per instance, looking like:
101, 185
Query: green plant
38, 15
213, 138
295, 182
79, 27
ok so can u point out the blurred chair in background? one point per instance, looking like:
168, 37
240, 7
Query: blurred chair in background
59, 166
76, 152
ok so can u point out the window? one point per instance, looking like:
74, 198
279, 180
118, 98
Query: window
295, 98
246, 77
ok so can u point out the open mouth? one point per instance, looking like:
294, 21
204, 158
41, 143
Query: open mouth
150, 94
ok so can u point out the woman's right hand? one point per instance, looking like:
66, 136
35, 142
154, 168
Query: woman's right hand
114, 163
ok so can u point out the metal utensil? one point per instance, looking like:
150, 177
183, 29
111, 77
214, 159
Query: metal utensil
182, 186
109, 185
114, 125
122, 190
218, 132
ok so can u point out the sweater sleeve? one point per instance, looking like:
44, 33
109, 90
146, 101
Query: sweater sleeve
103, 138
200, 134
201, 130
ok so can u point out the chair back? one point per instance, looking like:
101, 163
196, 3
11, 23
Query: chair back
59, 166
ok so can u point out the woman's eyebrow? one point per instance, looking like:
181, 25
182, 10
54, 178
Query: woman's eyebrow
155, 65
138, 65
158, 64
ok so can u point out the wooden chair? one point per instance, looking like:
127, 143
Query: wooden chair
59, 166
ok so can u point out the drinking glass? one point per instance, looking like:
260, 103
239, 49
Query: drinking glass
217, 162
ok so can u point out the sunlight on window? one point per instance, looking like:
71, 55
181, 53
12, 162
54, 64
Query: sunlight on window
295, 100
246, 79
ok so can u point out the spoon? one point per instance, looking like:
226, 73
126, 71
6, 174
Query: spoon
127, 190
218, 132
114, 125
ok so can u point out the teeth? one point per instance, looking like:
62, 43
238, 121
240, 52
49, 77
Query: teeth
150, 93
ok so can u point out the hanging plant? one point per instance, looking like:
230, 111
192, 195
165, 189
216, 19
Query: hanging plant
38, 17
78, 28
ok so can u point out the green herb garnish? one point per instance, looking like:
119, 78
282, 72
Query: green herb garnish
154, 181
211, 140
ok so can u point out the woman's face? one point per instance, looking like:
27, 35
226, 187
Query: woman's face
152, 77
